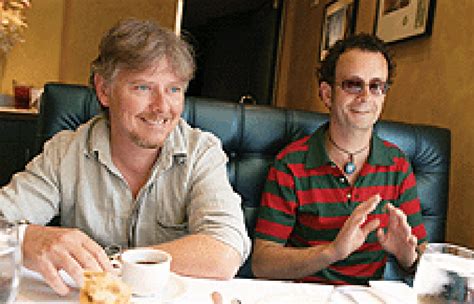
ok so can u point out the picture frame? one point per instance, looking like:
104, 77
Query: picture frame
338, 22
398, 20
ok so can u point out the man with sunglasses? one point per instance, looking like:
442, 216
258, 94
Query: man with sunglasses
337, 202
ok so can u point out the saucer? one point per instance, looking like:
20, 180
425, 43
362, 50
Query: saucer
175, 289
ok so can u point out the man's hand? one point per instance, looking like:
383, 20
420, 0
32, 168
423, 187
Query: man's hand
355, 230
398, 240
50, 249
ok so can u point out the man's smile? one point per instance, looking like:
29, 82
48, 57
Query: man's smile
154, 121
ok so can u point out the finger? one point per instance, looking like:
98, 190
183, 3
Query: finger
397, 213
370, 226
53, 279
359, 215
72, 268
86, 260
382, 237
370, 204
216, 298
405, 229
413, 240
98, 254
400, 220
394, 216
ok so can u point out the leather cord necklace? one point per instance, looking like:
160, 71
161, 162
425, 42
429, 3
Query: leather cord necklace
350, 166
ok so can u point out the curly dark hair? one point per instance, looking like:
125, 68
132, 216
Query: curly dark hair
366, 42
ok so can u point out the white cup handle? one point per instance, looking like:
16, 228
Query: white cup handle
116, 261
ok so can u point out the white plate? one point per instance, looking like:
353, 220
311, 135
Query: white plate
175, 289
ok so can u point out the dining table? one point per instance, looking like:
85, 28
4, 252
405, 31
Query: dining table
181, 289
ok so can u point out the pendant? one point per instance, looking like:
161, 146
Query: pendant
349, 167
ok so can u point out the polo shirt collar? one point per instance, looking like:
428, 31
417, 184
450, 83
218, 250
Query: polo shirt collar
317, 155
379, 153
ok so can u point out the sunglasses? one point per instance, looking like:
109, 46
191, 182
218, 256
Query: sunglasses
356, 86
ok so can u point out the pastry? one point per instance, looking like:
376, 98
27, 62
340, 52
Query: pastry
104, 288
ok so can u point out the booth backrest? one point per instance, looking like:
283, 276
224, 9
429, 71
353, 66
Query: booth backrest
253, 135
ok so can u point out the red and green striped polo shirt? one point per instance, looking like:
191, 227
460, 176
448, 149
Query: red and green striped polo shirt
307, 199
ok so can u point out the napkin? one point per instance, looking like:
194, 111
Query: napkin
355, 294
393, 292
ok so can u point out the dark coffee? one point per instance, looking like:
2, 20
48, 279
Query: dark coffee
147, 262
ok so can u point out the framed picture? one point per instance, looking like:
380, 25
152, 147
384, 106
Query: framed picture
403, 19
338, 23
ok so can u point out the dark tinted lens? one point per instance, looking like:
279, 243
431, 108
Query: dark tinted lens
378, 87
353, 86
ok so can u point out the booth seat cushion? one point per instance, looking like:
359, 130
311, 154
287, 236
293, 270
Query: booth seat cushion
253, 135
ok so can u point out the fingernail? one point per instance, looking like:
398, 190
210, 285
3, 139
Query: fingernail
63, 290
216, 297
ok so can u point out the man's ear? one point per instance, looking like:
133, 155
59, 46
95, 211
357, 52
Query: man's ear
325, 92
102, 90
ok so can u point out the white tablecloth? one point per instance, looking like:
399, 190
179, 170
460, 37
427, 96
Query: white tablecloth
249, 291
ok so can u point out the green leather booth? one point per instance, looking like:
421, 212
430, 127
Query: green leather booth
253, 135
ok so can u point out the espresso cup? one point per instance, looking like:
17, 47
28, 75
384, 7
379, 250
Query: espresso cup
146, 271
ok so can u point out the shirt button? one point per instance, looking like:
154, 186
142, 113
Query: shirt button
342, 180
348, 195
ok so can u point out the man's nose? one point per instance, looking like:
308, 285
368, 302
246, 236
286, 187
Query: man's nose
365, 92
158, 100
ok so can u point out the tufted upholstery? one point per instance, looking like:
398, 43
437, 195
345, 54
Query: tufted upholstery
253, 135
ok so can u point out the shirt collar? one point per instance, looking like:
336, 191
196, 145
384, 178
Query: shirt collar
379, 154
174, 148
98, 144
317, 155
98, 141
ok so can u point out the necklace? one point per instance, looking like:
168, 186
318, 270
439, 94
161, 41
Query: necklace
350, 166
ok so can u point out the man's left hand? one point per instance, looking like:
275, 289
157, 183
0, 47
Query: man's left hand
398, 240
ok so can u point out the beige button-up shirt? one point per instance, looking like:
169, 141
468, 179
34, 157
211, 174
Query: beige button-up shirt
188, 191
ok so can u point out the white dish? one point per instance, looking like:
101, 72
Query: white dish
174, 290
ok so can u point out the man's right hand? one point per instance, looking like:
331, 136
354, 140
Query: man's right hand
50, 249
355, 230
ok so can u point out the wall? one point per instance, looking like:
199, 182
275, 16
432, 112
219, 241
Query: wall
87, 20
36, 60
433, 85
62, 37
298, 56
